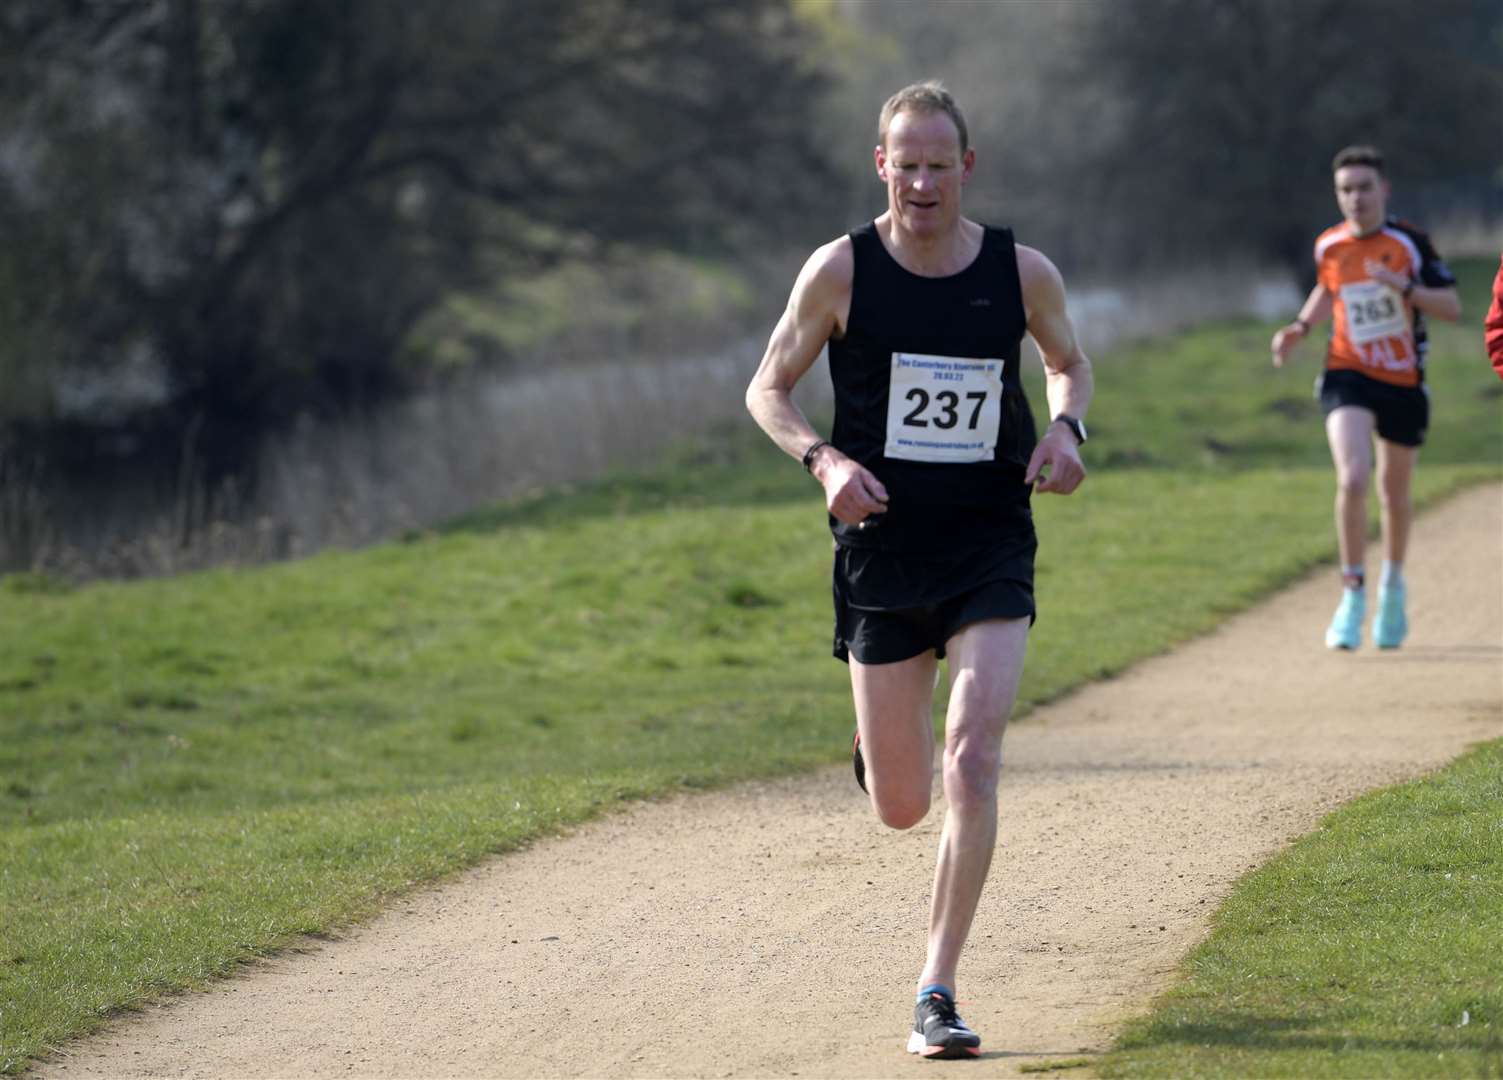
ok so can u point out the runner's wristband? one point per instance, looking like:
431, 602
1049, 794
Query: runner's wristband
809, 454
1304, 327
1408, 289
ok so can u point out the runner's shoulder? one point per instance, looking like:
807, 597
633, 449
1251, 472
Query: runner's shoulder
1336, 234
1409, 229
1037, 273
1433, 270
829, 272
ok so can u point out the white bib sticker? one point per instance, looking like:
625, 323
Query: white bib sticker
943, 408
1373, 310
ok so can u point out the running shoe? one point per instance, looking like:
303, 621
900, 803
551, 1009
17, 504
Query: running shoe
1391, 623
1345, 631
858, 762
939, 1032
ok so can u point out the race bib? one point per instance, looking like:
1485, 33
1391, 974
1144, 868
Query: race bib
943, 408
1373, 311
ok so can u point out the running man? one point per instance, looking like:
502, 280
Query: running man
1378, 277
927, 475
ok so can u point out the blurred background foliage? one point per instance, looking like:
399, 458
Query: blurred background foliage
264, 197
1149, 133
224, 219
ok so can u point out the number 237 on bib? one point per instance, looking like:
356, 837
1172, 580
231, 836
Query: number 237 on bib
943, 408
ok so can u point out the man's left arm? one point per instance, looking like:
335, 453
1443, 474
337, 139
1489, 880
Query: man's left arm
1431, 290
1056, 463
1442, 302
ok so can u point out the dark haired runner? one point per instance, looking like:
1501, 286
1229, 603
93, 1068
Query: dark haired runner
1376, 277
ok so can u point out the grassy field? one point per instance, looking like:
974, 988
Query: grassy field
195, 770
1369, 948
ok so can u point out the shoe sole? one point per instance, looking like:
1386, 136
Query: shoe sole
942, 1052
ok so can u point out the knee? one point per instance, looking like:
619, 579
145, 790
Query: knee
900, 810
1352, 482
972, 770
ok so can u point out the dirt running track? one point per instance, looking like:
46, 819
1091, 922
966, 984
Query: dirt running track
775, 930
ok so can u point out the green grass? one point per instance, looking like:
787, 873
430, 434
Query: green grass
1058, 1065
194, 771
1369, 948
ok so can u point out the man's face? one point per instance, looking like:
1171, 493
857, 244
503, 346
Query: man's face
1362, 194
924, 171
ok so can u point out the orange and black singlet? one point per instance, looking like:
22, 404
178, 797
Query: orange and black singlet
1376, 331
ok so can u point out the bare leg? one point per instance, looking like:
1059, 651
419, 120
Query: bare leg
986, 662
893, 715
1349, 430
1395, 473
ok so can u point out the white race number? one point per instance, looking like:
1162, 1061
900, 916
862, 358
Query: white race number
943, 408
1373, 310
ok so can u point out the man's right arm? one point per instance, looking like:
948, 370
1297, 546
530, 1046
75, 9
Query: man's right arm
1316, 309
819, 301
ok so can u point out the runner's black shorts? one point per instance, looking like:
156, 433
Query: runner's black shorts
891, 606
1403, 412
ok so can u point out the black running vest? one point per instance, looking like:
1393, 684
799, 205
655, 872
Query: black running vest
969, 419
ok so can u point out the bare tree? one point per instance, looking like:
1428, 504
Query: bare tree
262, 197
1150, 132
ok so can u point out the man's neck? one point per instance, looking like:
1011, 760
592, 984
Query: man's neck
939, 254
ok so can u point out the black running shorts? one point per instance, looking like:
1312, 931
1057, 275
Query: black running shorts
890, 607
1403, 412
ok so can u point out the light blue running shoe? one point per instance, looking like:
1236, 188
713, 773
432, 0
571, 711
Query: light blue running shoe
1345, 631
1391, 624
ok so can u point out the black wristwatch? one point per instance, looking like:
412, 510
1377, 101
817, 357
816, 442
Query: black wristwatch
1076, 427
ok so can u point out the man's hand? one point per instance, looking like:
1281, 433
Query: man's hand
852, 492
1285, 340
1392, 278
1315, 310
1057, 452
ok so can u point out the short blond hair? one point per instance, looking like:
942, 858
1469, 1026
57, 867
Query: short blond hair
929, 96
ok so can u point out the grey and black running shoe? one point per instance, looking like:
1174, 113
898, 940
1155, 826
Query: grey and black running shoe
939, 1032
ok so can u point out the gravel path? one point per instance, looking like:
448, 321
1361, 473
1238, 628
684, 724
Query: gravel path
776, 929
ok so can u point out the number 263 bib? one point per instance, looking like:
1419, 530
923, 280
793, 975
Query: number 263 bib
943, 408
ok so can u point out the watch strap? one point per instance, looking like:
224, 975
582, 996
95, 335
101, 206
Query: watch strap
1076, 427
